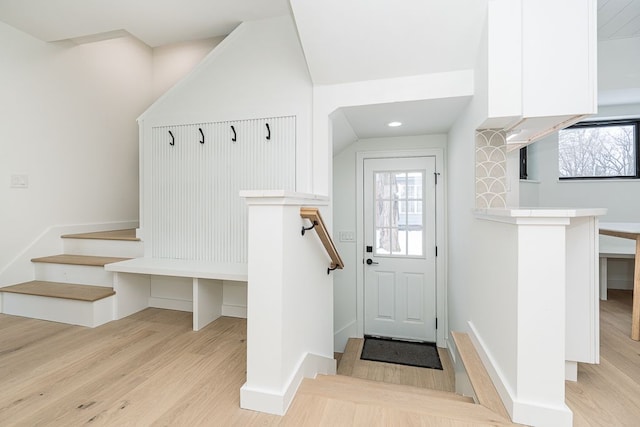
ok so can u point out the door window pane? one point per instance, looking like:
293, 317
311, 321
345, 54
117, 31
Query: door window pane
399, 218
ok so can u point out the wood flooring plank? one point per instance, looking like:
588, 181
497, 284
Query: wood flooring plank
42, 391
607, 394
152, 369
378, 386
351, 354
438, 407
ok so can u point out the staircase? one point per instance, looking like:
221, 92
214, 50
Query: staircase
74, 287
345, 399
342, 400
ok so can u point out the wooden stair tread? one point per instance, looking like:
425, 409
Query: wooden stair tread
481, 382
127, 234
388, 387
60, 290
97, 261
432, 406
351, 354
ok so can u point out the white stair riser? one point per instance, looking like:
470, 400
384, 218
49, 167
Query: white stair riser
77, 274
72, 312
114, 248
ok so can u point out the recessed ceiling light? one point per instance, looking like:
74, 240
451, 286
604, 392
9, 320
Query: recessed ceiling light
394, 124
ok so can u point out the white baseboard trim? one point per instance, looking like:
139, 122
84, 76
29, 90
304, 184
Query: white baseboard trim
341, 337
570, 370
277, 401
542, 415
234, 311
171, 304
524, 412
506, 393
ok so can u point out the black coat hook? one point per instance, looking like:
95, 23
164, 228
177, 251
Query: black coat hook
173, 139
201, 133
234, 134
268, 132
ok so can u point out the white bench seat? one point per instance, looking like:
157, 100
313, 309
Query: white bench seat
181, 268
133, 288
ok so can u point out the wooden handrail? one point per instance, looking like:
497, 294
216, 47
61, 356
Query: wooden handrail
313, 215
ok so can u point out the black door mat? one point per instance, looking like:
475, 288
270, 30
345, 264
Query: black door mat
420, 354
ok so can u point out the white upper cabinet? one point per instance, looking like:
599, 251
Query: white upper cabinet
542, 66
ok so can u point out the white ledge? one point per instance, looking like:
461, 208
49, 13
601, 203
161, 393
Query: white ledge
282, 197
181, 268
537, 215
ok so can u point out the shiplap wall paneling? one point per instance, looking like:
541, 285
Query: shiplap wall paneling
197, 213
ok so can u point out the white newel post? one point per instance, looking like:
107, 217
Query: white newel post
289, 301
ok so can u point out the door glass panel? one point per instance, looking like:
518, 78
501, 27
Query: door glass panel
383, 213
400, 249
399, 218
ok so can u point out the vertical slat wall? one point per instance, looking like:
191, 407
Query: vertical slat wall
197, 213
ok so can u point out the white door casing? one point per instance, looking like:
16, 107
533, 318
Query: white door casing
399, 230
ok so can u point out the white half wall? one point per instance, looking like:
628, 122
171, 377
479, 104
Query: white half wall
290, 298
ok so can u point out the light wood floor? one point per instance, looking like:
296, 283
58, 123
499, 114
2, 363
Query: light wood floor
434, 379
608, 394
152, 369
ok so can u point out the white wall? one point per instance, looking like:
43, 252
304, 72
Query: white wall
68, 122
257, 71
174, 61
619, 71
344, 219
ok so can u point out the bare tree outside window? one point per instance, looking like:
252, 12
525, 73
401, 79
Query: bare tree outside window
598, 151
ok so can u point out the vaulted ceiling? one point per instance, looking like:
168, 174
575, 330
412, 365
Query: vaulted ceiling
390, 39
155, 22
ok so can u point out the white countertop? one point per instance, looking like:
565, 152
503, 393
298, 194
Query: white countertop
541, 212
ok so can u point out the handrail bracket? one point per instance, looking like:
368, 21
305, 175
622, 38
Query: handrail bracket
305, 229
313, 215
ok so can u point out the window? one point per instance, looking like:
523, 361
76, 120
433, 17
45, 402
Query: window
524, 173
399, 197
599, 150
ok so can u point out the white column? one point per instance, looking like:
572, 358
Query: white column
289, 301
540, 366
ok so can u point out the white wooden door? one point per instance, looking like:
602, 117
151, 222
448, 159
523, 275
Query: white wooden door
400, 248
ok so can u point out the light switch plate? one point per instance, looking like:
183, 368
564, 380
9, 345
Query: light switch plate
347, 236
19, 181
